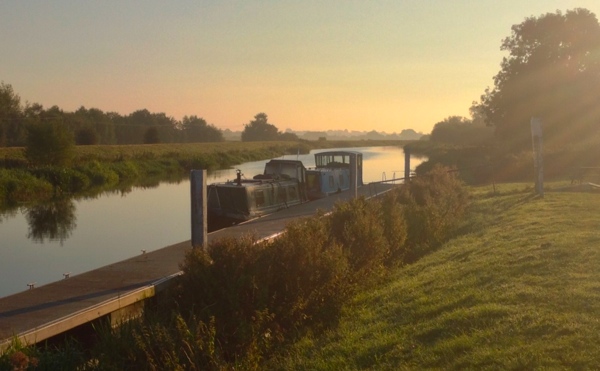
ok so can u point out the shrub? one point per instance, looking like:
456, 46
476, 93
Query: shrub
99, 173
394, 228
357, 227
49, 144
224, 283
307, 277
125, 170
62, 179
434, 205
20, 186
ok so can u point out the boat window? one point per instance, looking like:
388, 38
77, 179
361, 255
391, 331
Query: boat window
259, 197
293, 193
331, 182
213, 198
281, 195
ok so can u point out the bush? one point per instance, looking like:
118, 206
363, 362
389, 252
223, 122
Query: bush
394, 228
224, 284
357, 226
63, 180
308, 277
99, 173
49, 144
19, 186
434, 206
125, 170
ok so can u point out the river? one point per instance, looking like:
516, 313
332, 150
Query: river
40, 244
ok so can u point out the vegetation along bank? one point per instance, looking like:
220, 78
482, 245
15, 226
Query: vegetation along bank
242, 302
27, 177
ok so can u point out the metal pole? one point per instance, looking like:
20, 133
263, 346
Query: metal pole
199, 210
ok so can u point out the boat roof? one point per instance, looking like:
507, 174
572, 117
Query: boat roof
338, 153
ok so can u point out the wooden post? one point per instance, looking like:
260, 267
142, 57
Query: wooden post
538, 160
199, 210
406, 164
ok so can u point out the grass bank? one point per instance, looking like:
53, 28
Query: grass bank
240, 301
519, 289
484, 164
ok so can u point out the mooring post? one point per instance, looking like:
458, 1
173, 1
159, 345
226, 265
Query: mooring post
406, 164
354, 175
199, 210
538, 159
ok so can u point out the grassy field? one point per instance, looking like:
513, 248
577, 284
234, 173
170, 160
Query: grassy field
518, 290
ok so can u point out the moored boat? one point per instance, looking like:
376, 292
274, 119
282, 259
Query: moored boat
332, 173
284, 183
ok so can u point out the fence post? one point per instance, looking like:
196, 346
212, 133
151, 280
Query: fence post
538, 160
406, 164
199, 209
354, 175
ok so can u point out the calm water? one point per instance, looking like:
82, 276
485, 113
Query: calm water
41, 244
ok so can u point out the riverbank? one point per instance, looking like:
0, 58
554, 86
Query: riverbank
517, 290
100, 168
493, 162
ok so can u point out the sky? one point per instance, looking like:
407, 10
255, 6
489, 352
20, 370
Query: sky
309, 65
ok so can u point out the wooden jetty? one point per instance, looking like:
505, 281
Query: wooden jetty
119, 290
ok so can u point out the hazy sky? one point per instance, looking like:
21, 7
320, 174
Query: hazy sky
309, 65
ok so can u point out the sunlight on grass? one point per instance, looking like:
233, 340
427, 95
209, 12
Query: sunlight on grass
519, 290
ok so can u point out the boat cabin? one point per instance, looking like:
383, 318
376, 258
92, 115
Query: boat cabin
332, 173
281, 185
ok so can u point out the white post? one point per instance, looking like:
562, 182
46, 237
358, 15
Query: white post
199, 210
538, 160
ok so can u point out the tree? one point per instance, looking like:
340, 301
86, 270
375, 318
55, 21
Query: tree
86, 136
461, 130
259, 130
151, 136
552, 72
12, 131
196, 129
49, 143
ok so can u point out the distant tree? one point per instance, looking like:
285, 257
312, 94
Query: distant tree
12, 130
196, 129
291, 137
86, 136
552, 72
259, 130
49, 143
461, 131
151, 136
132, 129
96, 120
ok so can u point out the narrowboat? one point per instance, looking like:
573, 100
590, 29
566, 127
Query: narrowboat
332, 173
283, 184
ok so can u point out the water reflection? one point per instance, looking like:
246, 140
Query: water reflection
54, 221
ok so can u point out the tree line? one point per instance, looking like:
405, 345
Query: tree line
93, 126
552, 72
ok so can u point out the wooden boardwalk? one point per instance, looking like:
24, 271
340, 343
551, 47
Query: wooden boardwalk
40, 313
